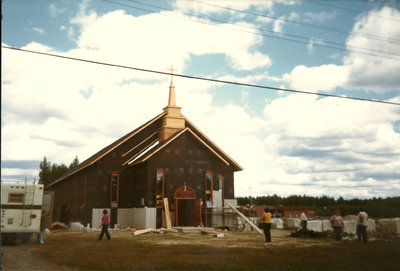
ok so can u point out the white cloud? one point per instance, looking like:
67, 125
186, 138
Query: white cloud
39, 30
222, 6
318, 17
55, 11
325, 77
278, 24
310, 45
358, 71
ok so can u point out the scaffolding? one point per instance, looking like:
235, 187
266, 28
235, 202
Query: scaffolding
226, 217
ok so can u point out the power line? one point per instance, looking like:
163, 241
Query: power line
354, 10
366, 35
318, 42
201, 78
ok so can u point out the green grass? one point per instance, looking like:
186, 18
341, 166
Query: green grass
200, 252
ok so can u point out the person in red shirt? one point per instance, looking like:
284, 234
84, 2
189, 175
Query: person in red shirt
105, 222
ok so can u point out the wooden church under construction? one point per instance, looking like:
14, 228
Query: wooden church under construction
167, 165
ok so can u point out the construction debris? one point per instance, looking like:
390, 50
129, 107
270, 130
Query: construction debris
167, 214
244, 217
305, 233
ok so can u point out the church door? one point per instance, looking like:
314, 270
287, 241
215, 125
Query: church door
187, 207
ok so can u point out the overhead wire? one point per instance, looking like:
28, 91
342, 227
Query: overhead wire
316, 41
356, 11
201, 78
333, 29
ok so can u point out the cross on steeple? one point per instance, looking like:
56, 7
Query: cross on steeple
172, 73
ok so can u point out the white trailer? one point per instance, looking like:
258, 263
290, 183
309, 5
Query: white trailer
21, 209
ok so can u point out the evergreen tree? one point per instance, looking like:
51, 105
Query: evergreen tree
74, 163
49, 173
57, 171
45, 172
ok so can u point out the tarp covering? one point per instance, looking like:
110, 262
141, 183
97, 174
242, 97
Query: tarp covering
277, 223
314, 225
293, 223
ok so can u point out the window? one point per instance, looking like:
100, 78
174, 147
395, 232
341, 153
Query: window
208, 188
16, 198
221, 187
114, 189
159, 188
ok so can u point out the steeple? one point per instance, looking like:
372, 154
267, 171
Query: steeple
172, 98
173, 121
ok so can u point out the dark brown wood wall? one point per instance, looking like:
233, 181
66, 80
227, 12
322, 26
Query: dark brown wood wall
186, 160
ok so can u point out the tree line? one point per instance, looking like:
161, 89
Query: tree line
51, 172
375, 207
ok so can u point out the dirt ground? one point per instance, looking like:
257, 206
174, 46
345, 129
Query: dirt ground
31, 256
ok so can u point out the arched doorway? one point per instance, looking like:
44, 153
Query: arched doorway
187, 207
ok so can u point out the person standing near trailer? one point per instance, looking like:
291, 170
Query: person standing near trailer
337, 224
303, 219
266, 218
105, 223
362, 224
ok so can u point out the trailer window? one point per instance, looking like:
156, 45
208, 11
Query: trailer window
16, 198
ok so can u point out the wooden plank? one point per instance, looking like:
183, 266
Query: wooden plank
139, 232
167, 214
244, 217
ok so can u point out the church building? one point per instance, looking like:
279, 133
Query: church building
167, 160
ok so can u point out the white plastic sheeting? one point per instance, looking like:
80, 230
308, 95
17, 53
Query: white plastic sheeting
125, 218
276, 223
76, 226
97, 214
371, 225
217, 198
138, 218
350, 226
144, 218
293, 223
314, 225
326, 225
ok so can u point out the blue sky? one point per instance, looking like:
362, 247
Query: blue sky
287, 143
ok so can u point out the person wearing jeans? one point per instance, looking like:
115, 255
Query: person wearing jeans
337, 224
105, 223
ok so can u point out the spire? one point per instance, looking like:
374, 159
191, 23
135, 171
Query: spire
172, 98
173, 121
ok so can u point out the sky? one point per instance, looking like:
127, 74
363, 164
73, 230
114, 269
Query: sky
288, 143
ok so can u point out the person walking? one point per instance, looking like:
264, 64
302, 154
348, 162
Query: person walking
303, 219
337, 224
266, 218
362, 225
105, 223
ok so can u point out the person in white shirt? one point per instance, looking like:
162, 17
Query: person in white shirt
303, 219
362, 225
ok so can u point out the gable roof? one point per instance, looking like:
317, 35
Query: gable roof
149, 152
155, 147
150, 146
100, 154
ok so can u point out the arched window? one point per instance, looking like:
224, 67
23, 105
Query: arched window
114, 189
208, 188
160, 188
221, 187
